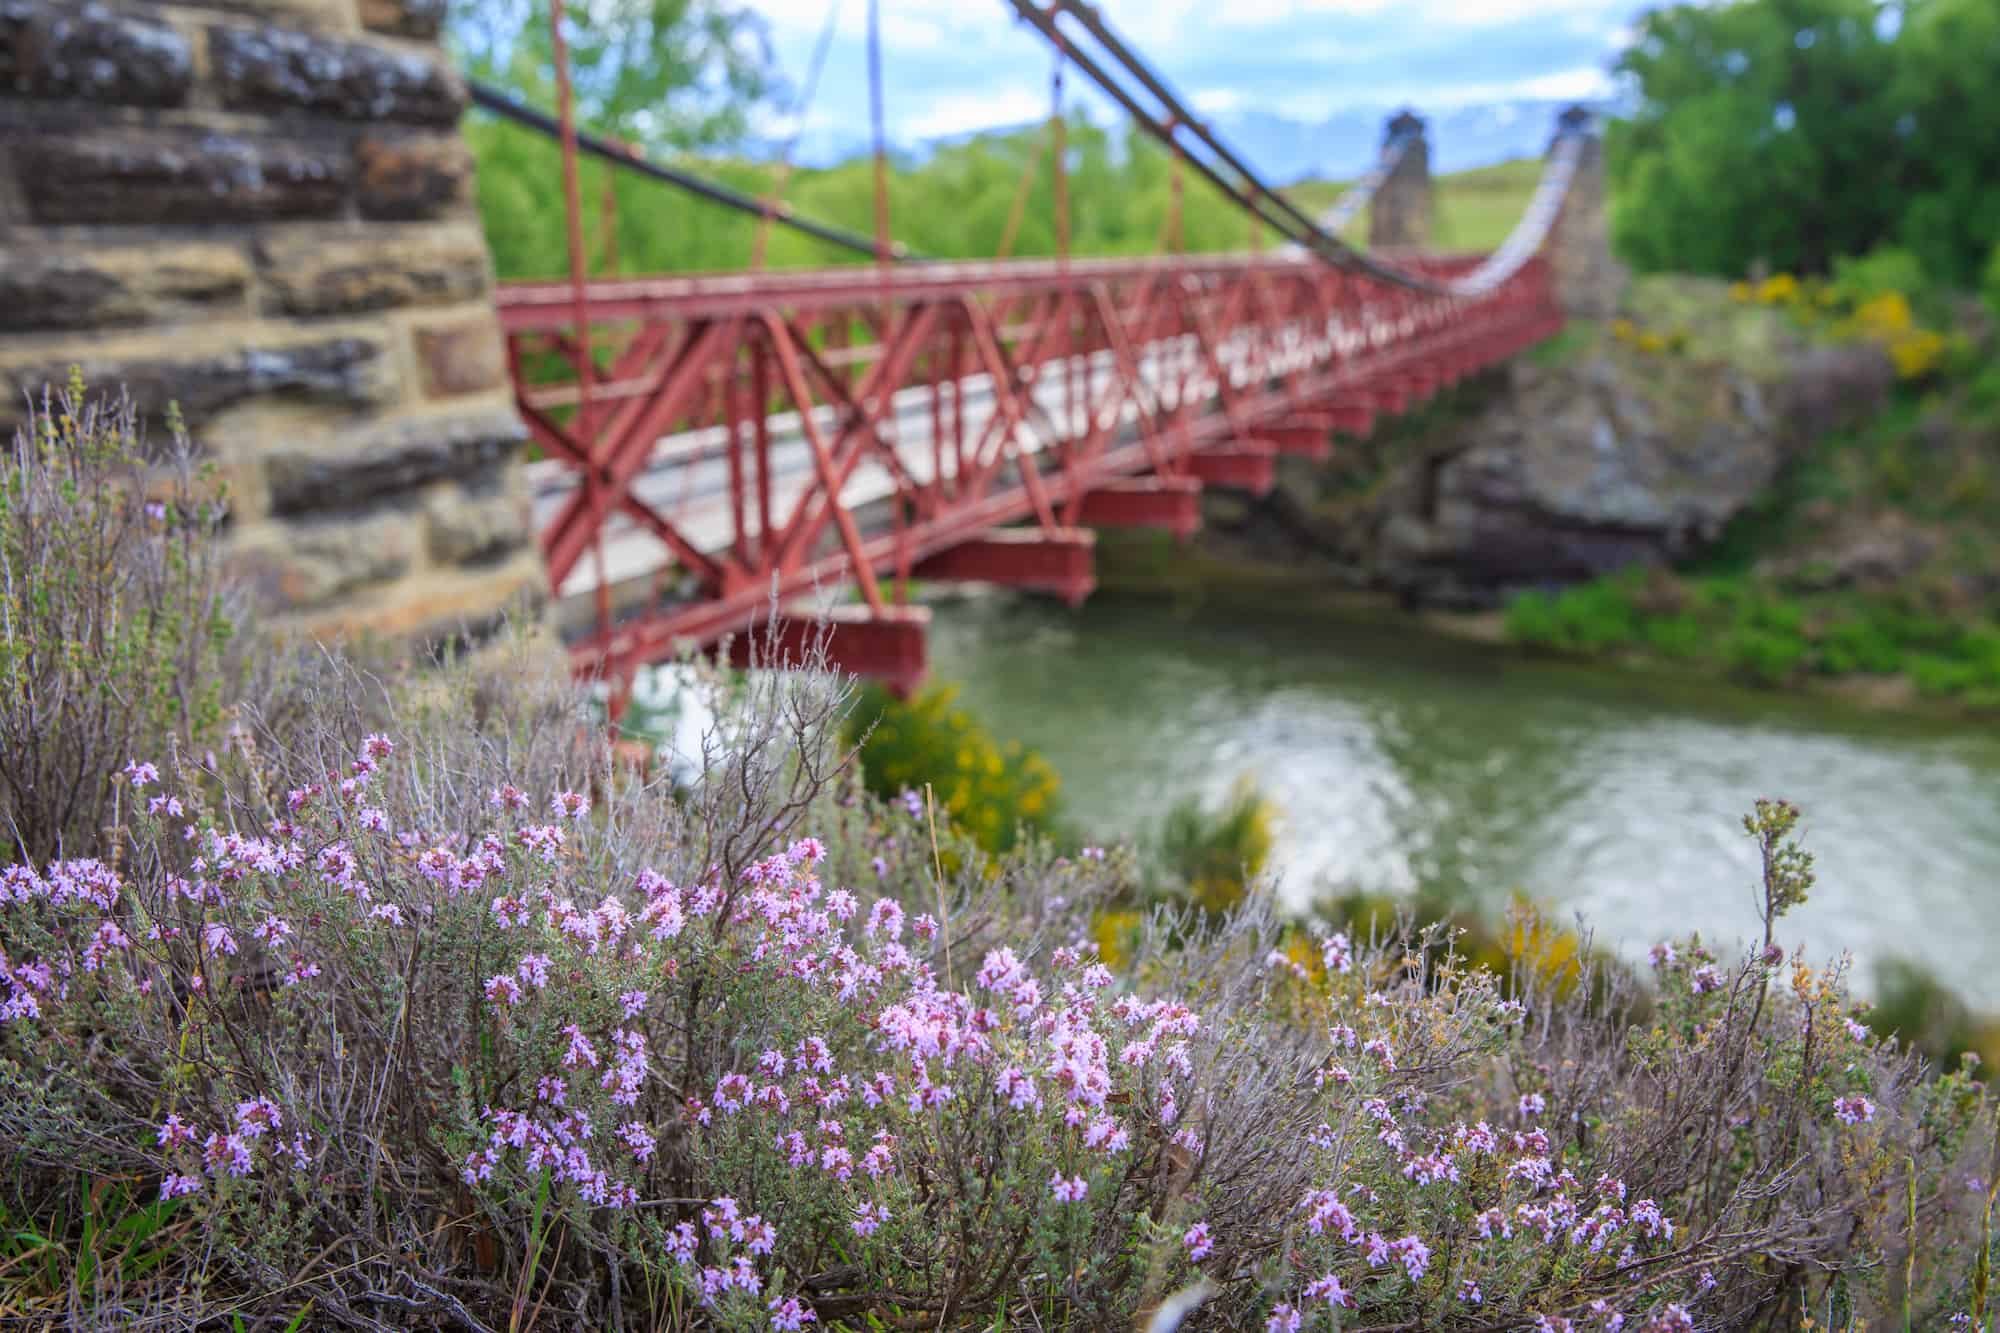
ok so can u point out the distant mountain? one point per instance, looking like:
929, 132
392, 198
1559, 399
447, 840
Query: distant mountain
1284, 150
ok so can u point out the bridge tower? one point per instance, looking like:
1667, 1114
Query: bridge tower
1589, 281
1399, 216
262, 209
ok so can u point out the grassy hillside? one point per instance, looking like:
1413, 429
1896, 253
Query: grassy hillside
1475, 209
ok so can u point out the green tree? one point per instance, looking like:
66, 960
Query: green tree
1947, 99
667, 76
1761, 134
1792, 132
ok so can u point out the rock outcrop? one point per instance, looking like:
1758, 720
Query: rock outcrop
1605, 453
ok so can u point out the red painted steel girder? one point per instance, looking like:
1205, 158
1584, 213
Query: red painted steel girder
888, 646
1250, 465
961, 398
1169, 503
1058, 560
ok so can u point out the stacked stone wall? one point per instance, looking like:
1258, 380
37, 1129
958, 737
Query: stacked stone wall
262, 210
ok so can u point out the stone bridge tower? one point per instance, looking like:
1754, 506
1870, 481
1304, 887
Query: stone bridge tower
262, 209
1399, 216
1589, 281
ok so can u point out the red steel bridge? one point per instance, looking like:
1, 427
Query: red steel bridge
717, 446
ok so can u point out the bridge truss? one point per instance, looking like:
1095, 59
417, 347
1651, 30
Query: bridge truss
716, 446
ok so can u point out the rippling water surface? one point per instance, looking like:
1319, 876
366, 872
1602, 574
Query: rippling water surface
1400, 759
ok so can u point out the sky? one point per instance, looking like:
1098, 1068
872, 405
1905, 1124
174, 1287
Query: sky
954, 66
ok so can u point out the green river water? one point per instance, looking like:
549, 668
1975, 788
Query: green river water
1399, 758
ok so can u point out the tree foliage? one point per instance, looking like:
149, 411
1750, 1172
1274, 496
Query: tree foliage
1790, 132
953, 204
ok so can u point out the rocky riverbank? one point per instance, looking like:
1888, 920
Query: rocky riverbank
1717, 482
1593, 455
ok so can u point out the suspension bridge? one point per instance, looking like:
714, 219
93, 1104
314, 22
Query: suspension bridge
717, 446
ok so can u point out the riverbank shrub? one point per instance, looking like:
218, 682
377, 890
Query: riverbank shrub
1745, 627
992, 790
1213, 857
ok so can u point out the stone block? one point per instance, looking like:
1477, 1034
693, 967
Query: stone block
404, 18
183, 174
352, 371
412, 176
388, 458
462, 357
440, 605
285, 69
45, 288
301, 566
476, 521
323, 15
55, 50
311, 275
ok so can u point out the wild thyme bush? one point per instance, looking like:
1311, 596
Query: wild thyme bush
403, 1006
113, 622
451, 1023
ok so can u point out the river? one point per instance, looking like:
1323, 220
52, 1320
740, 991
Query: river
1399, 758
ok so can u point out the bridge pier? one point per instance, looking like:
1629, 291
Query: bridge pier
1399, 216
262, 210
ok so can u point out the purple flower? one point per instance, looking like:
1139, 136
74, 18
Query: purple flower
1855, 1110
1330, 1290
1416, 1255
1336, 953
173, 1186
1199, 1242
1284, 1319
868, 1217
1071, 1190
789, 1316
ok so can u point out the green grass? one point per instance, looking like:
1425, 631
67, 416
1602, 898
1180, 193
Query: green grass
1474, 209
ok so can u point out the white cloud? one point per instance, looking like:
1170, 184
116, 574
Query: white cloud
962, 113
1218, 101
959, 65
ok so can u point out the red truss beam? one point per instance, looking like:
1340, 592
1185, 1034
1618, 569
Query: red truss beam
1308, 436
1249, 466
1058, 560
887, 646
1171, 503
747, 436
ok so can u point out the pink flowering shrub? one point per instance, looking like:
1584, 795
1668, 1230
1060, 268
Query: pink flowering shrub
409, 1009
386, 1019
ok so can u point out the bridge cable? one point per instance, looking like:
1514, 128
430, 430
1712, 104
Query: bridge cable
800, 106
880, 131
1251, 193
1245, 189
504, 105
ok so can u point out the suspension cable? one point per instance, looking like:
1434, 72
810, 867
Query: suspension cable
504, 105
1228, 173
876, 121
800, 106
